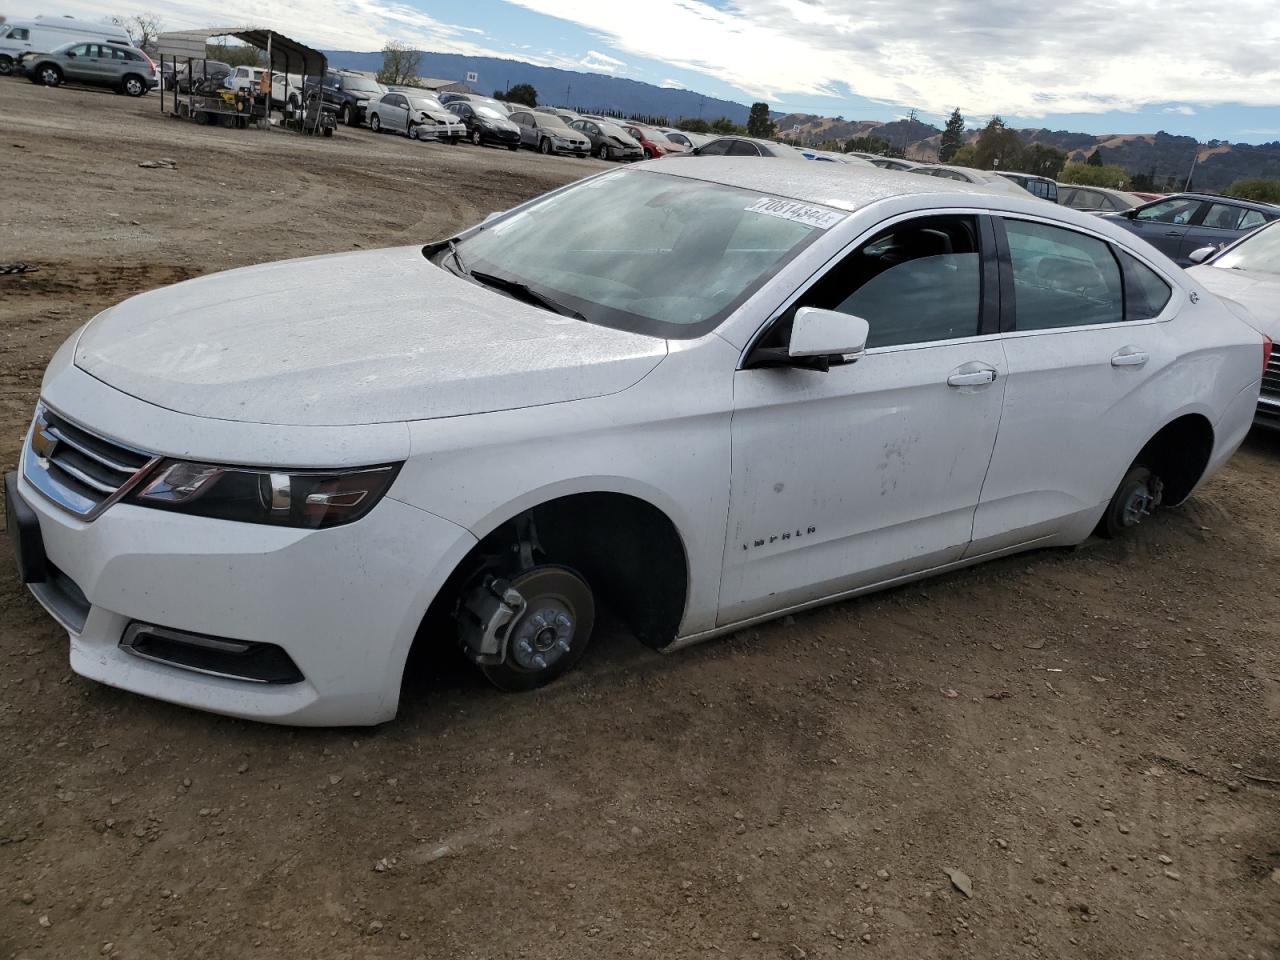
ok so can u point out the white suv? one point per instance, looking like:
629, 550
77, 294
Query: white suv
752, 388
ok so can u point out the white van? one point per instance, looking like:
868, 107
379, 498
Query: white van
45, 34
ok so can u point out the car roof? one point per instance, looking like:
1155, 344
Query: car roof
840, 185
1213, 198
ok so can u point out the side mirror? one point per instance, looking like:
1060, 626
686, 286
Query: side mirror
827, 333
1203, 254
1131, 213
71, 54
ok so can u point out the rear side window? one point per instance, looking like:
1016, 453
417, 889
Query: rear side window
1062, 278
1223, 216
915, 282
1145, 294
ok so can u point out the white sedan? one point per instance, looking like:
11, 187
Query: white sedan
782, 384
417, 116
1248, 273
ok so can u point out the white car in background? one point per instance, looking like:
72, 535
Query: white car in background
1248, 273
776, 386
418, 116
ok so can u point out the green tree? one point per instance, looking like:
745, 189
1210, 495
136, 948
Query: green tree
758, 122
998, 147
952, 137
1094, 175
1095, 158
399, 64
1256, 188
726, 127
522, 93
965, 156
871, 144
1043, 160
693, 125
235, 54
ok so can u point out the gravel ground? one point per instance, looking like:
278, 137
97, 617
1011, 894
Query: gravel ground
1089, 736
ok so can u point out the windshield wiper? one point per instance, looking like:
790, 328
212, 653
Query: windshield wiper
457, 259
522, 290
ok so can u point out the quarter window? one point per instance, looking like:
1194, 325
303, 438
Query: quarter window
1145, 294
914, 282
1251, 220
1062, 278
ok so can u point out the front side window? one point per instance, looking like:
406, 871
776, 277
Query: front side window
915, 282
741, 148
690, 252
19, 33
716, 148
82, 50
1062, 278
1177, 211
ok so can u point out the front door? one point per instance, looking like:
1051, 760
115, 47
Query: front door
872, 470
1165, 223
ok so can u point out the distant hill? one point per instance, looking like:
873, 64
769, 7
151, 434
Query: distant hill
1165, 156
565, 88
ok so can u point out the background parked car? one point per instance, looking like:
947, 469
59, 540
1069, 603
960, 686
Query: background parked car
1097, 199
350, 94
1248, 273
689, 141
654, 143
1185, 222
1037, 186
893, 163
286, 90
246, 79
747, 147
123, 68
416, 115
608, 140
828, 157
972, 175
449, 99
548, 134
43, 34
486, 124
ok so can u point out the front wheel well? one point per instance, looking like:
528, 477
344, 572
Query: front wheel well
1179, 455
626, 549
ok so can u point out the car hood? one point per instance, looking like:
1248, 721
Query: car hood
370, 337
1258, 293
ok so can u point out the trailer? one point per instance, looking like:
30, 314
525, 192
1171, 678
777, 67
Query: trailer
207, 100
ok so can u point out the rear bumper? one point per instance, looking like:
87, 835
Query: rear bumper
1268, 412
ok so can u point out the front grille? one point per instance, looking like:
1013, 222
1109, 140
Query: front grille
1271, 376
213, 656
77, 469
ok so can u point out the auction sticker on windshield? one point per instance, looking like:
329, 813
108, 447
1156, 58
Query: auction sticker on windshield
812, 214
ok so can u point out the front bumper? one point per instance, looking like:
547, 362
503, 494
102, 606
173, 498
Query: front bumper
573, 149
344, 603
440, 131
626, 153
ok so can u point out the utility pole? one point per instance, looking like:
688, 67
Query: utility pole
1194, 157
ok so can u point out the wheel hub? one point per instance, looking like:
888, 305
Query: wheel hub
1138, 505
543, 635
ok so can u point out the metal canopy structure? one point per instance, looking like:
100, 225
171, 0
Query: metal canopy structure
284, 54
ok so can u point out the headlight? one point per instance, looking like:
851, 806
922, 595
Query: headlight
300, 498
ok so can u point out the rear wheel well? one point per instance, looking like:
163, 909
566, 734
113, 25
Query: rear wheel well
626, 549
1179, 454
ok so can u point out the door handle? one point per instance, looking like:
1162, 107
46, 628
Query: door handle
1174, 233
1128, 357
967, 376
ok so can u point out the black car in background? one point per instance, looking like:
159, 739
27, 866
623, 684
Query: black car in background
608, 140
745, 147
179, 74
1183, 223
350, 94
486, 124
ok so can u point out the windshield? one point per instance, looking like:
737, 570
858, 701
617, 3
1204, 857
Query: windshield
488, 112
609, 130
646, 252
1258, 253
549, 120
425, 103
360, 83
650, 134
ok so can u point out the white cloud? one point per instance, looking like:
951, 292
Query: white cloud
601, 62
1183, 109
998, 56
670, 84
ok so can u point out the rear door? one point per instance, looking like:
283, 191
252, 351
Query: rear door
1220, 224
1084, 334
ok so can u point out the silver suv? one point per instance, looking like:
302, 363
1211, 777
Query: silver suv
115, 65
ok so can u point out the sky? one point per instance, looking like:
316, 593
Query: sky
1211, 71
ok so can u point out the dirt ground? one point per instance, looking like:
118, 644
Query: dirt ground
1091, 736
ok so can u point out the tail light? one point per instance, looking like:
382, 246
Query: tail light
150, 63
1266, 353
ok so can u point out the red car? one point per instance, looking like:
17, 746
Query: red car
654, 143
